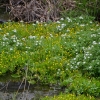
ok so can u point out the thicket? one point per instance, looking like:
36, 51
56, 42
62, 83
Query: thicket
49, 10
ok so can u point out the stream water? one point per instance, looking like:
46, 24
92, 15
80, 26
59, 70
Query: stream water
18, 90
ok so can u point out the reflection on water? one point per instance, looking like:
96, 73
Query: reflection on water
22, 91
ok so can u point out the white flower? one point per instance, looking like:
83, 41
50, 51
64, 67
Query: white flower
45, 24
90, 67
51, 35
13, 36
80, 17
3, 43
18, 43
97, 62
0, 29
74, 59
84, 62
58, 73
33, 24
63, 25
83, 47
14, 40
14, 30
71, 67
63, 35
26, 51
58, 22
93, 35
94, 42
4, 38
58, 27
69, 20
58, 69
23, 39
92, 29
28, 47
78, 63
37, 22
21, 21
74, 45
7, 33
98, 33
66, 68
65, 42
62, 19
11, 49
42, 37
37, 42
32, 37
76, 67
67, 30
82, 25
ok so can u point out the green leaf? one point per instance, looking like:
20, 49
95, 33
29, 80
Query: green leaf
15, 76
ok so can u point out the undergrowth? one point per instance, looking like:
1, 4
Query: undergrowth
65, 52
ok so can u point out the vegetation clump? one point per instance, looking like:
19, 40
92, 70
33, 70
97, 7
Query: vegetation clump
65, 52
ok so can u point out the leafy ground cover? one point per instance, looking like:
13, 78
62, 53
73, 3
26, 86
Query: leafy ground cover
69, 97
66, 52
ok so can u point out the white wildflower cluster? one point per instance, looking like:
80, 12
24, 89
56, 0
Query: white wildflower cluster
94, 43
82, 25
58, 71
64, 35
62, 19
32, 37
14, 30
93, 35
27, 47
41, 37
14, 38
4, 43
38, 42
81, 17
33, 24
58, 22
5, 39
68, 19
60, 27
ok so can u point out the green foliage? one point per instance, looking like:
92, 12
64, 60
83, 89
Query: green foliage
68, 97
61, 52
80, 85
90, 7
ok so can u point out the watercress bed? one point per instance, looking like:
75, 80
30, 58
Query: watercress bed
66, 52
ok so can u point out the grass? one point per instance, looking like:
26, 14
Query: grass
65, 52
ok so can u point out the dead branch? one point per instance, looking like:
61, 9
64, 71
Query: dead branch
41, 10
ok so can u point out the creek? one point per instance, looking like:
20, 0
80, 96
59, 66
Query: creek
20, 90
